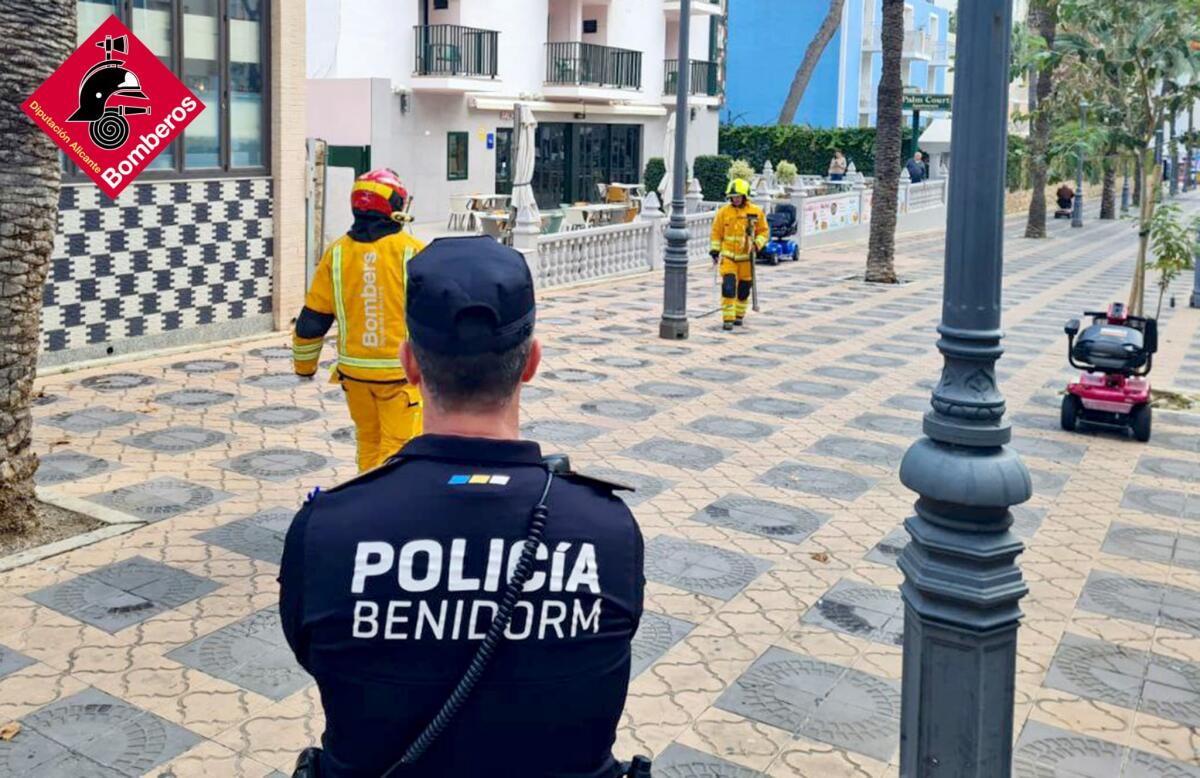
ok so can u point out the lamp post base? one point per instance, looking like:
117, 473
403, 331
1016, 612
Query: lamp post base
673, 329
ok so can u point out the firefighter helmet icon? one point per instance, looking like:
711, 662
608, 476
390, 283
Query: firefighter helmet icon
107, 79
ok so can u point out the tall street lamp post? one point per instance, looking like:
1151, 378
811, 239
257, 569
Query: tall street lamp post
674, 324
961, 582
1077, 212
1189, 182
1125, 187
1172, 166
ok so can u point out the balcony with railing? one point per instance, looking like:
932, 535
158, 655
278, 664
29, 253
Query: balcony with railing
699, 7
942, 50
702, 81
872, 38
575, 69
451, 57
918, 45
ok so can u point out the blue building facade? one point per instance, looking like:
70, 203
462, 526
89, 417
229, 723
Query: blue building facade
767, 40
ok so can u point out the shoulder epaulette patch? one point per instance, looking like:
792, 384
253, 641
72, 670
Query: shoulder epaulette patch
600, 483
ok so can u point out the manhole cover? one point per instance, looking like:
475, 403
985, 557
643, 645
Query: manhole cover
62, 466
91, 419
655, 635
619, 409
692, 456
259, 536
646, 486
775, 406
160, 498
175, 440
732, 428
700, 568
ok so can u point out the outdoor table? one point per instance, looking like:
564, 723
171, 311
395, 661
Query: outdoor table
488, 202
603, 212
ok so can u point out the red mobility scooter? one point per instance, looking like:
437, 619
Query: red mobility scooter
1116, 353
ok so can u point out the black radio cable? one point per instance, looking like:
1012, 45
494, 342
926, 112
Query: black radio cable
466, 684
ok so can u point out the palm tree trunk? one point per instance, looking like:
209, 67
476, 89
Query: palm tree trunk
1153, 179
1108, 195
881, 252
816, 47
1138, 178
1042, 18
37, 38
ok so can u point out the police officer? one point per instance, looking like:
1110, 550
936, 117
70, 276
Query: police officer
738, 227
360, 283
391, 582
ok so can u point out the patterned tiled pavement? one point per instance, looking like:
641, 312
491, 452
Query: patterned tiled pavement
766, 467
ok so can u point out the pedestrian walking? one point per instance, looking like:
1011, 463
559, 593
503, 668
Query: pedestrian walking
739, 229
916, 168
397, 587
360, 283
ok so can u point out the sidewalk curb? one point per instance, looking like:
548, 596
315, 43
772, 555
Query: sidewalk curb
166, 351
86, 507
38, 553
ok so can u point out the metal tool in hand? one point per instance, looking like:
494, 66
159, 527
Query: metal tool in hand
751, 251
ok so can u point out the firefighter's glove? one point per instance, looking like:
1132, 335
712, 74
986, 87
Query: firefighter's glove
716, 255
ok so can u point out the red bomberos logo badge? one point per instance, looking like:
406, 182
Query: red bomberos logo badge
112, 106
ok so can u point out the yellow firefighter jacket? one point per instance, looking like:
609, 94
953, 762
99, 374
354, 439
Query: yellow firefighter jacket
363, 285
729, 230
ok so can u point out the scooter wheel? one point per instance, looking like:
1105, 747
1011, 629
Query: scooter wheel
796, 254
773, 259
1139, 422
1070, 412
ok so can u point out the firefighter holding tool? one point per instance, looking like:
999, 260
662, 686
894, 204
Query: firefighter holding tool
739, 229
360, 282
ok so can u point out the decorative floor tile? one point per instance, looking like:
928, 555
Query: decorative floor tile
62, 466
692, 456
583, 340
278, 415
116, 382
1048, 752
622, 361
566, 432
1046, 483
259, 536
1052, 450
91, 419
817, 389
874, 360
775, 406
847, 374
93, 735
276, 464
655, 636
909, 402
271, 352
700, 568
887, 550
531, 394
714, 375
869, 452
762, 517
901, 349
160, 498
678, 761
175, 440
347, 435
662, 349
626, 410
870, 612
783, 349
821, 481
204, 365
275, 380
1162, 502
821, 701
646, 486
888, 425
194, 398
12, 661
120, 595
668, 391
575, 376
1165, 467
731, 428
751, 361
250, 653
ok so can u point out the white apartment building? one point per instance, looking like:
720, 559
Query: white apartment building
427, 87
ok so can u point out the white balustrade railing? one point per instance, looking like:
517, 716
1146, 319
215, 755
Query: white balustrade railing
590, 254
927, 194
699, 227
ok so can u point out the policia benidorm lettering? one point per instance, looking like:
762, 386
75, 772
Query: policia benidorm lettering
390, 583
360, 283
732, 246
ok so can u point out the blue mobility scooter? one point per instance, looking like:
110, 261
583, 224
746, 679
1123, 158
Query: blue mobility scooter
782, 224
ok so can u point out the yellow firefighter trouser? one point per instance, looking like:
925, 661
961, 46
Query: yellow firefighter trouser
386, 416
735, 288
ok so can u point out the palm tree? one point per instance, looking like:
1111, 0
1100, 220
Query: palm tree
881, 252
1108, 195
816, 48
1042, 20
36, 37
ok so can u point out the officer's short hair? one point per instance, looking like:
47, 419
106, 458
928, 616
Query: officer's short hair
472, 382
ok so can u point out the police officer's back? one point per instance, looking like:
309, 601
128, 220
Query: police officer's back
390, 582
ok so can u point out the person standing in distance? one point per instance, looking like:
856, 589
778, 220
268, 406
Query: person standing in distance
360, 283
732, 245
389, 583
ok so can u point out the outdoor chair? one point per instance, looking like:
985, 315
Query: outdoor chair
602, 190
461, 217
553, 223
574, 218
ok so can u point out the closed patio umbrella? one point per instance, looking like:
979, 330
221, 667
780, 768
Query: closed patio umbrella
522, 193
668, 162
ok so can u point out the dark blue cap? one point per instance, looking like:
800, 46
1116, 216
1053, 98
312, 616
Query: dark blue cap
469, 296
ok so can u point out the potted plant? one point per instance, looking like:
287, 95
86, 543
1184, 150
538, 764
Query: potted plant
785, 173
1174, 244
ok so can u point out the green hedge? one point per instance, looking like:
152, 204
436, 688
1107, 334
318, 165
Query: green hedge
713, 174
653, 175
810, 148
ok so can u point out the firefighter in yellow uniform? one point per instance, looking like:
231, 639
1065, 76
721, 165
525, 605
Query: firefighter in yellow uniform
733, 236
360, 283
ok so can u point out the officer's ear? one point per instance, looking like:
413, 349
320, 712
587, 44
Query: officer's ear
531, 364
412, 371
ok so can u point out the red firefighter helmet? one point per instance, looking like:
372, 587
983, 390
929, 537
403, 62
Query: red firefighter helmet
378, 190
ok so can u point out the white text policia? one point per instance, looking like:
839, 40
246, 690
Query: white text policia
142, 152
84, 159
